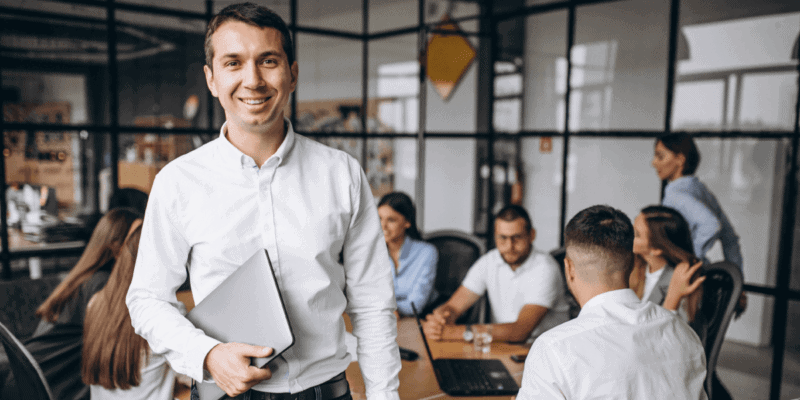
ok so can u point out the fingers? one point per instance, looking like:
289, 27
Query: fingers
229, 365
248, 350
433, 330
695, 267
697, 282
256, 374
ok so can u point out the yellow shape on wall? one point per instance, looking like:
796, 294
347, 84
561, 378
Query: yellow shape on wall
449, 55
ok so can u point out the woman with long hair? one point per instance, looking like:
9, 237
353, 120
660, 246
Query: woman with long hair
117, 363
662, 245
414, 260
57, 342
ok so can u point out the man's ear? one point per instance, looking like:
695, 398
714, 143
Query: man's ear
569, 270
294, 71
210, 80
533, 234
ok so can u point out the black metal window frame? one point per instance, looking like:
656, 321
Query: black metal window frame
488, 22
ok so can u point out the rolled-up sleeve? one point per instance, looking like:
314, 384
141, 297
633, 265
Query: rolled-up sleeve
370, 295
159, 272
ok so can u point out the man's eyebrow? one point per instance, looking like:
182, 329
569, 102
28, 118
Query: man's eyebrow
269, 53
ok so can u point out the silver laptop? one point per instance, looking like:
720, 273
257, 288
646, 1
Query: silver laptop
227, 314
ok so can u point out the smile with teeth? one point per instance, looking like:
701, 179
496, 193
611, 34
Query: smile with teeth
254, 102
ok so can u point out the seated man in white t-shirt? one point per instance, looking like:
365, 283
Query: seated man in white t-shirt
525, 287
618, 347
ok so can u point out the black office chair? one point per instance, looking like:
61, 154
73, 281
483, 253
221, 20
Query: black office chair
27, 374
721, 291
457, 252
19, 300
128, 197
574, 307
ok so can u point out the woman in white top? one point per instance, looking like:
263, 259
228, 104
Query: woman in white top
117, 363
663, 247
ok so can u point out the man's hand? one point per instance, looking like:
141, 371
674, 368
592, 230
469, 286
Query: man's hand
229, 365
434, 324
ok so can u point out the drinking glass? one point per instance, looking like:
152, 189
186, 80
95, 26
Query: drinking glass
482, 340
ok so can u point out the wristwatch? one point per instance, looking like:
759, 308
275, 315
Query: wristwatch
468, 334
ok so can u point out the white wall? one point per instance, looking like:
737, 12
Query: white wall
449, 184
542, 190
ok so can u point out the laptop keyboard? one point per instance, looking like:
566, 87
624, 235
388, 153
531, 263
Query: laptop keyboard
470, 376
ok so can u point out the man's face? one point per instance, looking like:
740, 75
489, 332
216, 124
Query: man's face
251, 77
514, 240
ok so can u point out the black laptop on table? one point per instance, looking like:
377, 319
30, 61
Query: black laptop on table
464, 377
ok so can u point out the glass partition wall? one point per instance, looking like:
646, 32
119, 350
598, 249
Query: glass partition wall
556, 107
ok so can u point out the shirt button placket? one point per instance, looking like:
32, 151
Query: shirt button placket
267, 215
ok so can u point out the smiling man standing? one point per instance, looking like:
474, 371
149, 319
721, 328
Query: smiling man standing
262, 186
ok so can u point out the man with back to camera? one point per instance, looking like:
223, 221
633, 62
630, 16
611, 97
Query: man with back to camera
259, 185
618, 347
524, 286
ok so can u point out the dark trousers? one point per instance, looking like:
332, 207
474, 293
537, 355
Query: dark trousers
325, 391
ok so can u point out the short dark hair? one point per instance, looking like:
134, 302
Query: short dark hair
682, 143
606, 233
402, 203
250, 14
512, 212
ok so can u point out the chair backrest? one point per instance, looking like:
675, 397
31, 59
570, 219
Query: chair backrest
19, 300
721, 291
574, 308
128, 197
27, 374
457, 252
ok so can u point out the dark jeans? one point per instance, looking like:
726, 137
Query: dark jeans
313, 393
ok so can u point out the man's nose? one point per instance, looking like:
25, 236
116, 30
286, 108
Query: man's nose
253, 78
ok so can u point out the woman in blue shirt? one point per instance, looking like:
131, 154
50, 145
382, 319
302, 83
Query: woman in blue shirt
676, 159
414, 261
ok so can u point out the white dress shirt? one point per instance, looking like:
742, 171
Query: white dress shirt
617, 348
537, 281
306, 205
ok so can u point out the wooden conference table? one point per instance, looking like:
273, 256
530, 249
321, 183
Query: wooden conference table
417, 379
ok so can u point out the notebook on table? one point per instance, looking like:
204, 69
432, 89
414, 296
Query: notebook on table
226, 314
464, 377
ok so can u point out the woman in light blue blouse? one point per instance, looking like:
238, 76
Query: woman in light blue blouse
676, 159
414, 261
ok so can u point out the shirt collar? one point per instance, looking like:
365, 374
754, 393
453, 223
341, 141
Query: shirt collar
405, 249
234, 158
614, 296
684, 180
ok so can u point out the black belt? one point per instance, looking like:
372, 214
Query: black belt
334, 388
